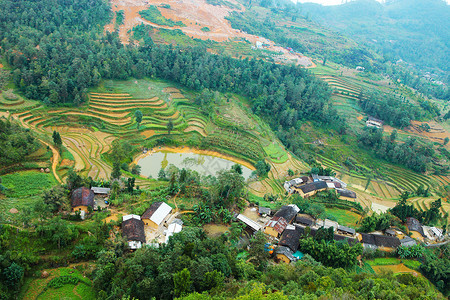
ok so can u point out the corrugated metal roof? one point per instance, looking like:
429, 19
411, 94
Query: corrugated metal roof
346, 229
161, 213
100, 190
437, 232
249, 222
127, 217
277, 223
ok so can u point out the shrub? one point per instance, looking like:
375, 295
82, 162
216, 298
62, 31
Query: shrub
58, 282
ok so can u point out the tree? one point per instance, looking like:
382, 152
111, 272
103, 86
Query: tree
229, 188
138, 116
13, 274
57, 138
446, 140
135, 169
182, 282
74, 180
130, 184
262, 168
115, 174
257, 243
290, 172
170, 126
237, 168
2, 187
393, 136
162, 174
55, 198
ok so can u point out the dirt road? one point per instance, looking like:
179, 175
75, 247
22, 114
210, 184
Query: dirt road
55, 160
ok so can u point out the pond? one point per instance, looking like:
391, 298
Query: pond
204, 164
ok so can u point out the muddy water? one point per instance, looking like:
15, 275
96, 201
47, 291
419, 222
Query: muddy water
204, 164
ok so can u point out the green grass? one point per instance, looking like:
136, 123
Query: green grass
27, 183
412, 264
389, 261
153, 15
343, 217
383, 261
36, 288
256, 199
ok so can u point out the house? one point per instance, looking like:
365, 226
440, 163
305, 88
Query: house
285, 254
82, 198
346, 230
275, 226
390, 232
408, 242
305, 220
331, 179
294, 182
327, 224
174, 227
156, 214
249, 222
382, 242
349, 240
373, 122
288, 212
291, 237
259, 45
264, 211
101, 191
414, 225
312, 188
345, 194
133, 231
368, 241
436, 232
359, 68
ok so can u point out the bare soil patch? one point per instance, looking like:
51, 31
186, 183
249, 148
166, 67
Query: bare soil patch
400, 268
148, 133
214, 230
171, 90
196, 14
197, 129
177, 96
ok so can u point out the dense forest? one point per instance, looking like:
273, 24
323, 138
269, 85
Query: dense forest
15, 143
416, 31
412, 153
392, 110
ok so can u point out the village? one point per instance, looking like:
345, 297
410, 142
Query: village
283, 228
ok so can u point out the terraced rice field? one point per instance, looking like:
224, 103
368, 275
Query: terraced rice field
396, 180
89, 131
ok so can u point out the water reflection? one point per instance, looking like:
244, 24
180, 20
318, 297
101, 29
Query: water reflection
204, 164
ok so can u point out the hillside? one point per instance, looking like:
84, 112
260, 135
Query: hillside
416, 32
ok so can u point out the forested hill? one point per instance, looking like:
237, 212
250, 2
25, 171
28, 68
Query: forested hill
417, 31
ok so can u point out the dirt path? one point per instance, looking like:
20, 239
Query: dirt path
55, 160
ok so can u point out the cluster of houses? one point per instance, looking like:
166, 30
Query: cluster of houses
308, 186
156, 218
287, 226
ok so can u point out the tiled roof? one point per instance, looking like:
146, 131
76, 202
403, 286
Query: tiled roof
82, 196
133, 230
